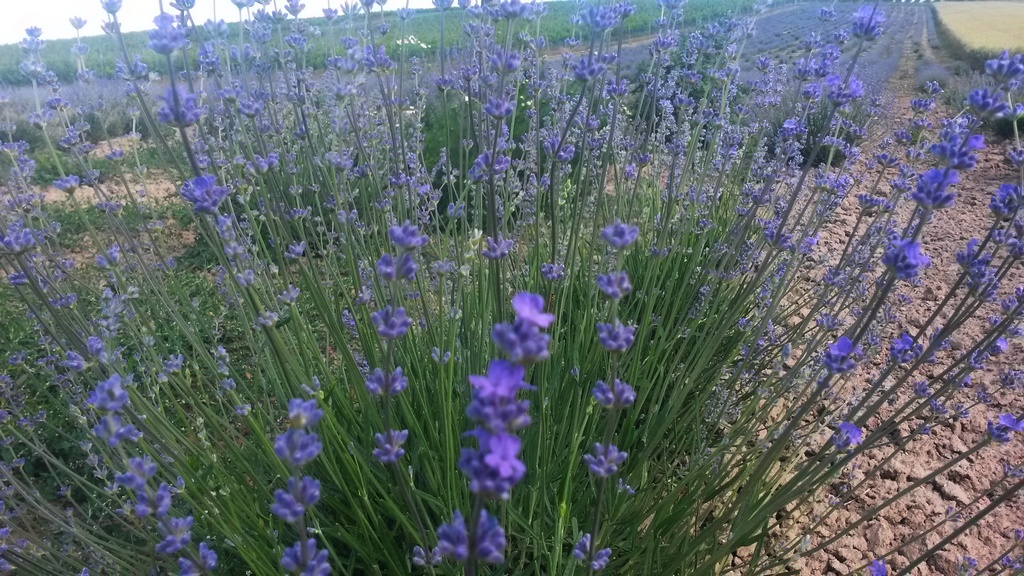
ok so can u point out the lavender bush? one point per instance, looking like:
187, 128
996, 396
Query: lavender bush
595, 334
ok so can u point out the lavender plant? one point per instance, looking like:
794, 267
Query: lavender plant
597, 333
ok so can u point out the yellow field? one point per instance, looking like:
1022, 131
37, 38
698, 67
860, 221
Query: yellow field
988, 26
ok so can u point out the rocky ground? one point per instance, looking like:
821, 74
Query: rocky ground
963, 488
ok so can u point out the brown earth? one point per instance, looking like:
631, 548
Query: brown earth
957, 489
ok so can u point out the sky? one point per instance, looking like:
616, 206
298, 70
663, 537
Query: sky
52, 15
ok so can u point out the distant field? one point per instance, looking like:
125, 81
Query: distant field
984, 26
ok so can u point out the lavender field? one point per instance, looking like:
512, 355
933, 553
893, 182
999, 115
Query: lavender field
557, 288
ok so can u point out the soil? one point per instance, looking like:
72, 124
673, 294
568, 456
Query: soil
957, 489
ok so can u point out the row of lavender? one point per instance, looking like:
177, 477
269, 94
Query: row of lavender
580, 341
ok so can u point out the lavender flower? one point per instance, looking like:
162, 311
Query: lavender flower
932, 189
109, 395
615, 285
1004, 426
204, 194
389, 446
291, 504
303, 413
619, 236
1004, 68
419, 557
867, 22
847, 436
304, 558
177, 534
139, 471
179, 109
380, 383
453, 539
497, 249
615, 337
530, 309
552, 272
581, 552
905, 259
407, 237
841, 356
168, 37
604, 461
904, 350
391, 323
207, 562
296, 448
494, 404
1006, 201
618, 395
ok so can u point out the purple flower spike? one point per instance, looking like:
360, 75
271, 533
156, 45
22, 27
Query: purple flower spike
168, 37
109, 395
933, 189
618, 395
522, 341
157, 504
110, 6
389, 446
552, 272
453, 539
139, 470
615, 337
867, 22
207, 561
290, 505
204, 194
496, 250
407, 237
380, 383
619, 235
1004, 427
1004, 68
601, 559
419, 557
878, 568
177, 534
296, 447
490, 540
1006, 201
493, 469
303, 413
582, 548
904, 350
303, 558
905, 259
847, 436
841, 356
605, 460
614, 285
494, 405
112, 429
502, 456
184, 113
530, 308
391, 323
386, 267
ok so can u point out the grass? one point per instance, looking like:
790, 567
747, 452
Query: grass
982, 28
